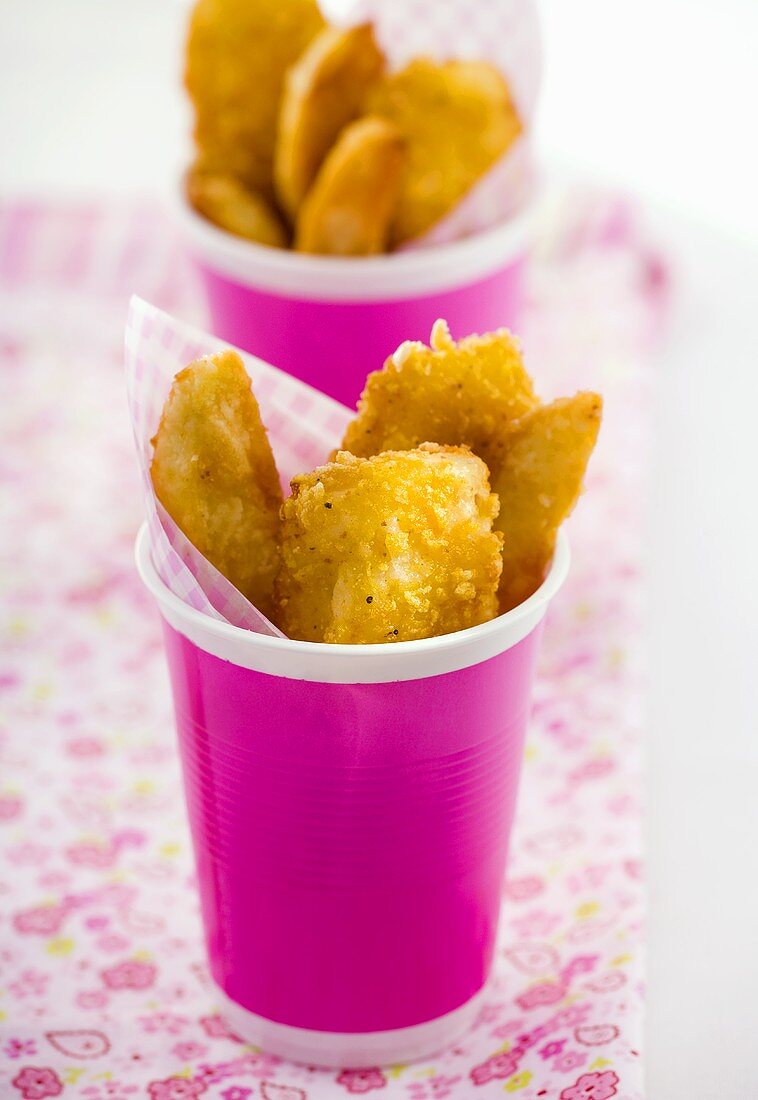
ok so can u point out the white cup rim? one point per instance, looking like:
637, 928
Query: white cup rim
393, 276
338, 663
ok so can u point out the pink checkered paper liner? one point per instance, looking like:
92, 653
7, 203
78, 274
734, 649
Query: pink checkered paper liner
503, 32
303, 425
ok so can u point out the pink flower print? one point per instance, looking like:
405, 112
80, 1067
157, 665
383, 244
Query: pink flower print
270, 1091
590, 878
189, 1051
438, 1087
555, 1046
163, 1021
109, 1090
510, 1028
85, 747
43, 920
20, 1048
27, 853
128, 838
129, 974
533, 958
92, 998
264, 1065
596, 1035
118, 895
112, 942
623, 805
55, 880
236, 1093
35, 1084
531, 1038
633, 868
10, 807
546, 993
253, 1064
572, 1016
29, 983
362, 1080
608, 982
176, 1088
592, 769
216, 1027
572, 1059
488, 1014
535, 924
88, 854
589, 929
520, 889
496, 1068
592, 1086
580, 964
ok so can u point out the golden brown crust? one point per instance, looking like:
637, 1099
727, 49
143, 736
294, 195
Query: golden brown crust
230, 205
238, 52
215, 475
324, 90
348, 210
539, 482
390, 548
458, 119
447, 393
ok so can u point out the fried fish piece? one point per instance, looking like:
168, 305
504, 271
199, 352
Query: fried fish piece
227, 203
446, 393
324, 90
214, 473
238, 52
390, 548
538, 483
349, 207
458, 119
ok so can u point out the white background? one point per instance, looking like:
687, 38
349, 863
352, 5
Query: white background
659, 96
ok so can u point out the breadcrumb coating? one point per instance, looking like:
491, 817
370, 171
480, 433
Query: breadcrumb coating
323, 91
227, 203
238, 52
462, 393
538, 483
458, 119
389, 548
348, 209
214, 473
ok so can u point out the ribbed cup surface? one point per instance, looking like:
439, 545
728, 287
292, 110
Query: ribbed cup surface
350, 838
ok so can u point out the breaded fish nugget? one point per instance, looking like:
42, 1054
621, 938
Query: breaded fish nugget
538, 484
389, 548
237, 54
214, 473
323, 91
458, 118
348, 209
227, 203
462, 393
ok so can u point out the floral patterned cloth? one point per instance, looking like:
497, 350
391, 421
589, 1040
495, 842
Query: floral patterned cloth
104, 993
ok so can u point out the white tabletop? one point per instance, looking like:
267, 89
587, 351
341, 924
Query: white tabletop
649, 96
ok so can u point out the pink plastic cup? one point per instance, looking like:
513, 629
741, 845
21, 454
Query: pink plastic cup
330, 320
350, 809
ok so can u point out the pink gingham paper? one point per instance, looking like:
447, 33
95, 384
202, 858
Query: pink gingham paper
303, 424
504, 32
104, 993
